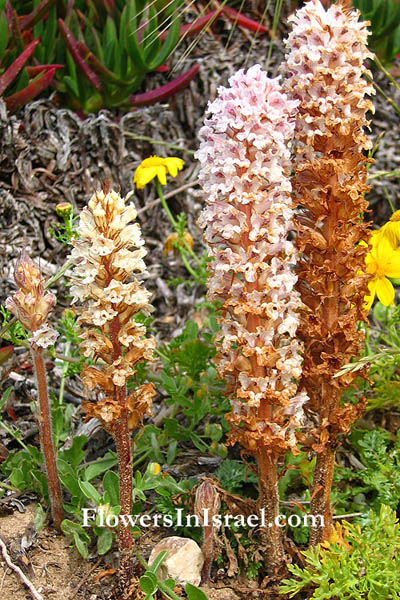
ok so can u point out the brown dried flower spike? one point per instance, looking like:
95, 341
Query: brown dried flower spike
107, 255
326, 68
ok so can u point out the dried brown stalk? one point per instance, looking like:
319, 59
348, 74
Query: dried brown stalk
325, 64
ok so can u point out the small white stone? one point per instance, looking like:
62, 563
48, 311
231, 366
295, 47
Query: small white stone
184, 560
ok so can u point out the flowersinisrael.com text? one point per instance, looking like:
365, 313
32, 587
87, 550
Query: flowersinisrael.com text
105, 518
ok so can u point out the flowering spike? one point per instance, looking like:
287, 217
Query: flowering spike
31, 305
245, 165
107, 255
326, 67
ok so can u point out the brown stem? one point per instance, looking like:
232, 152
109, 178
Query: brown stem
124, 453
320, 505
46, 440
269, 501
208, 552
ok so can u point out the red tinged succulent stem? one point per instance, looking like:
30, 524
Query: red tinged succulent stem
28, 21
196, 26
165, 91
208, 19
46, 440
243, 21
8, 77
35, 70
72, 46
95, 63
31, 91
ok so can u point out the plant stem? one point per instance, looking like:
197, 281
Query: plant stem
165, 204
320, 495
46, 440
268, 500
124, 454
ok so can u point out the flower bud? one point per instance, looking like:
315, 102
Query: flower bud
64, 209
207, 501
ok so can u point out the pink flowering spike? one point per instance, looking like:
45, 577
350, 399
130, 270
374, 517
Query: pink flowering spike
245, 168
165, 91
32, 90
72, 46
8, 77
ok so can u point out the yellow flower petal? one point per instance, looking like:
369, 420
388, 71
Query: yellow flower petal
144, 175
162, 175
371, 297
174, 165
155, 166
385, 291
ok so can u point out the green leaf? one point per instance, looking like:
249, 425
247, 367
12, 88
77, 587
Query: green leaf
157, 561
75, 455
81, 546
104, 541
147, 584
131, 43
39, 518
169, 44
68, 478
111, 488
5, 397
90, 492
194, 593
104, 464
3, 34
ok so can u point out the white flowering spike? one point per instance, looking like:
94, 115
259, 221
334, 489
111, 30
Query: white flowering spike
245, 166
108, 255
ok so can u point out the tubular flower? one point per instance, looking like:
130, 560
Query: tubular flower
382, 261
245, 162
155, 166
325, 64
107, 256
31, 304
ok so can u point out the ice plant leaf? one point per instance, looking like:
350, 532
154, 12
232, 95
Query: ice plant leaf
165, 91
8, 77
32, 90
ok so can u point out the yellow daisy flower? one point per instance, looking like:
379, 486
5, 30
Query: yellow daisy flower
391, 229
155, 166
383, 261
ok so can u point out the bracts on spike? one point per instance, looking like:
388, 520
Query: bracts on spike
325, 64
108, 254
245, 166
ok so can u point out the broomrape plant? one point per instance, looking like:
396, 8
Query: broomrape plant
31, 305
325, 64
245, 164
107, 255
